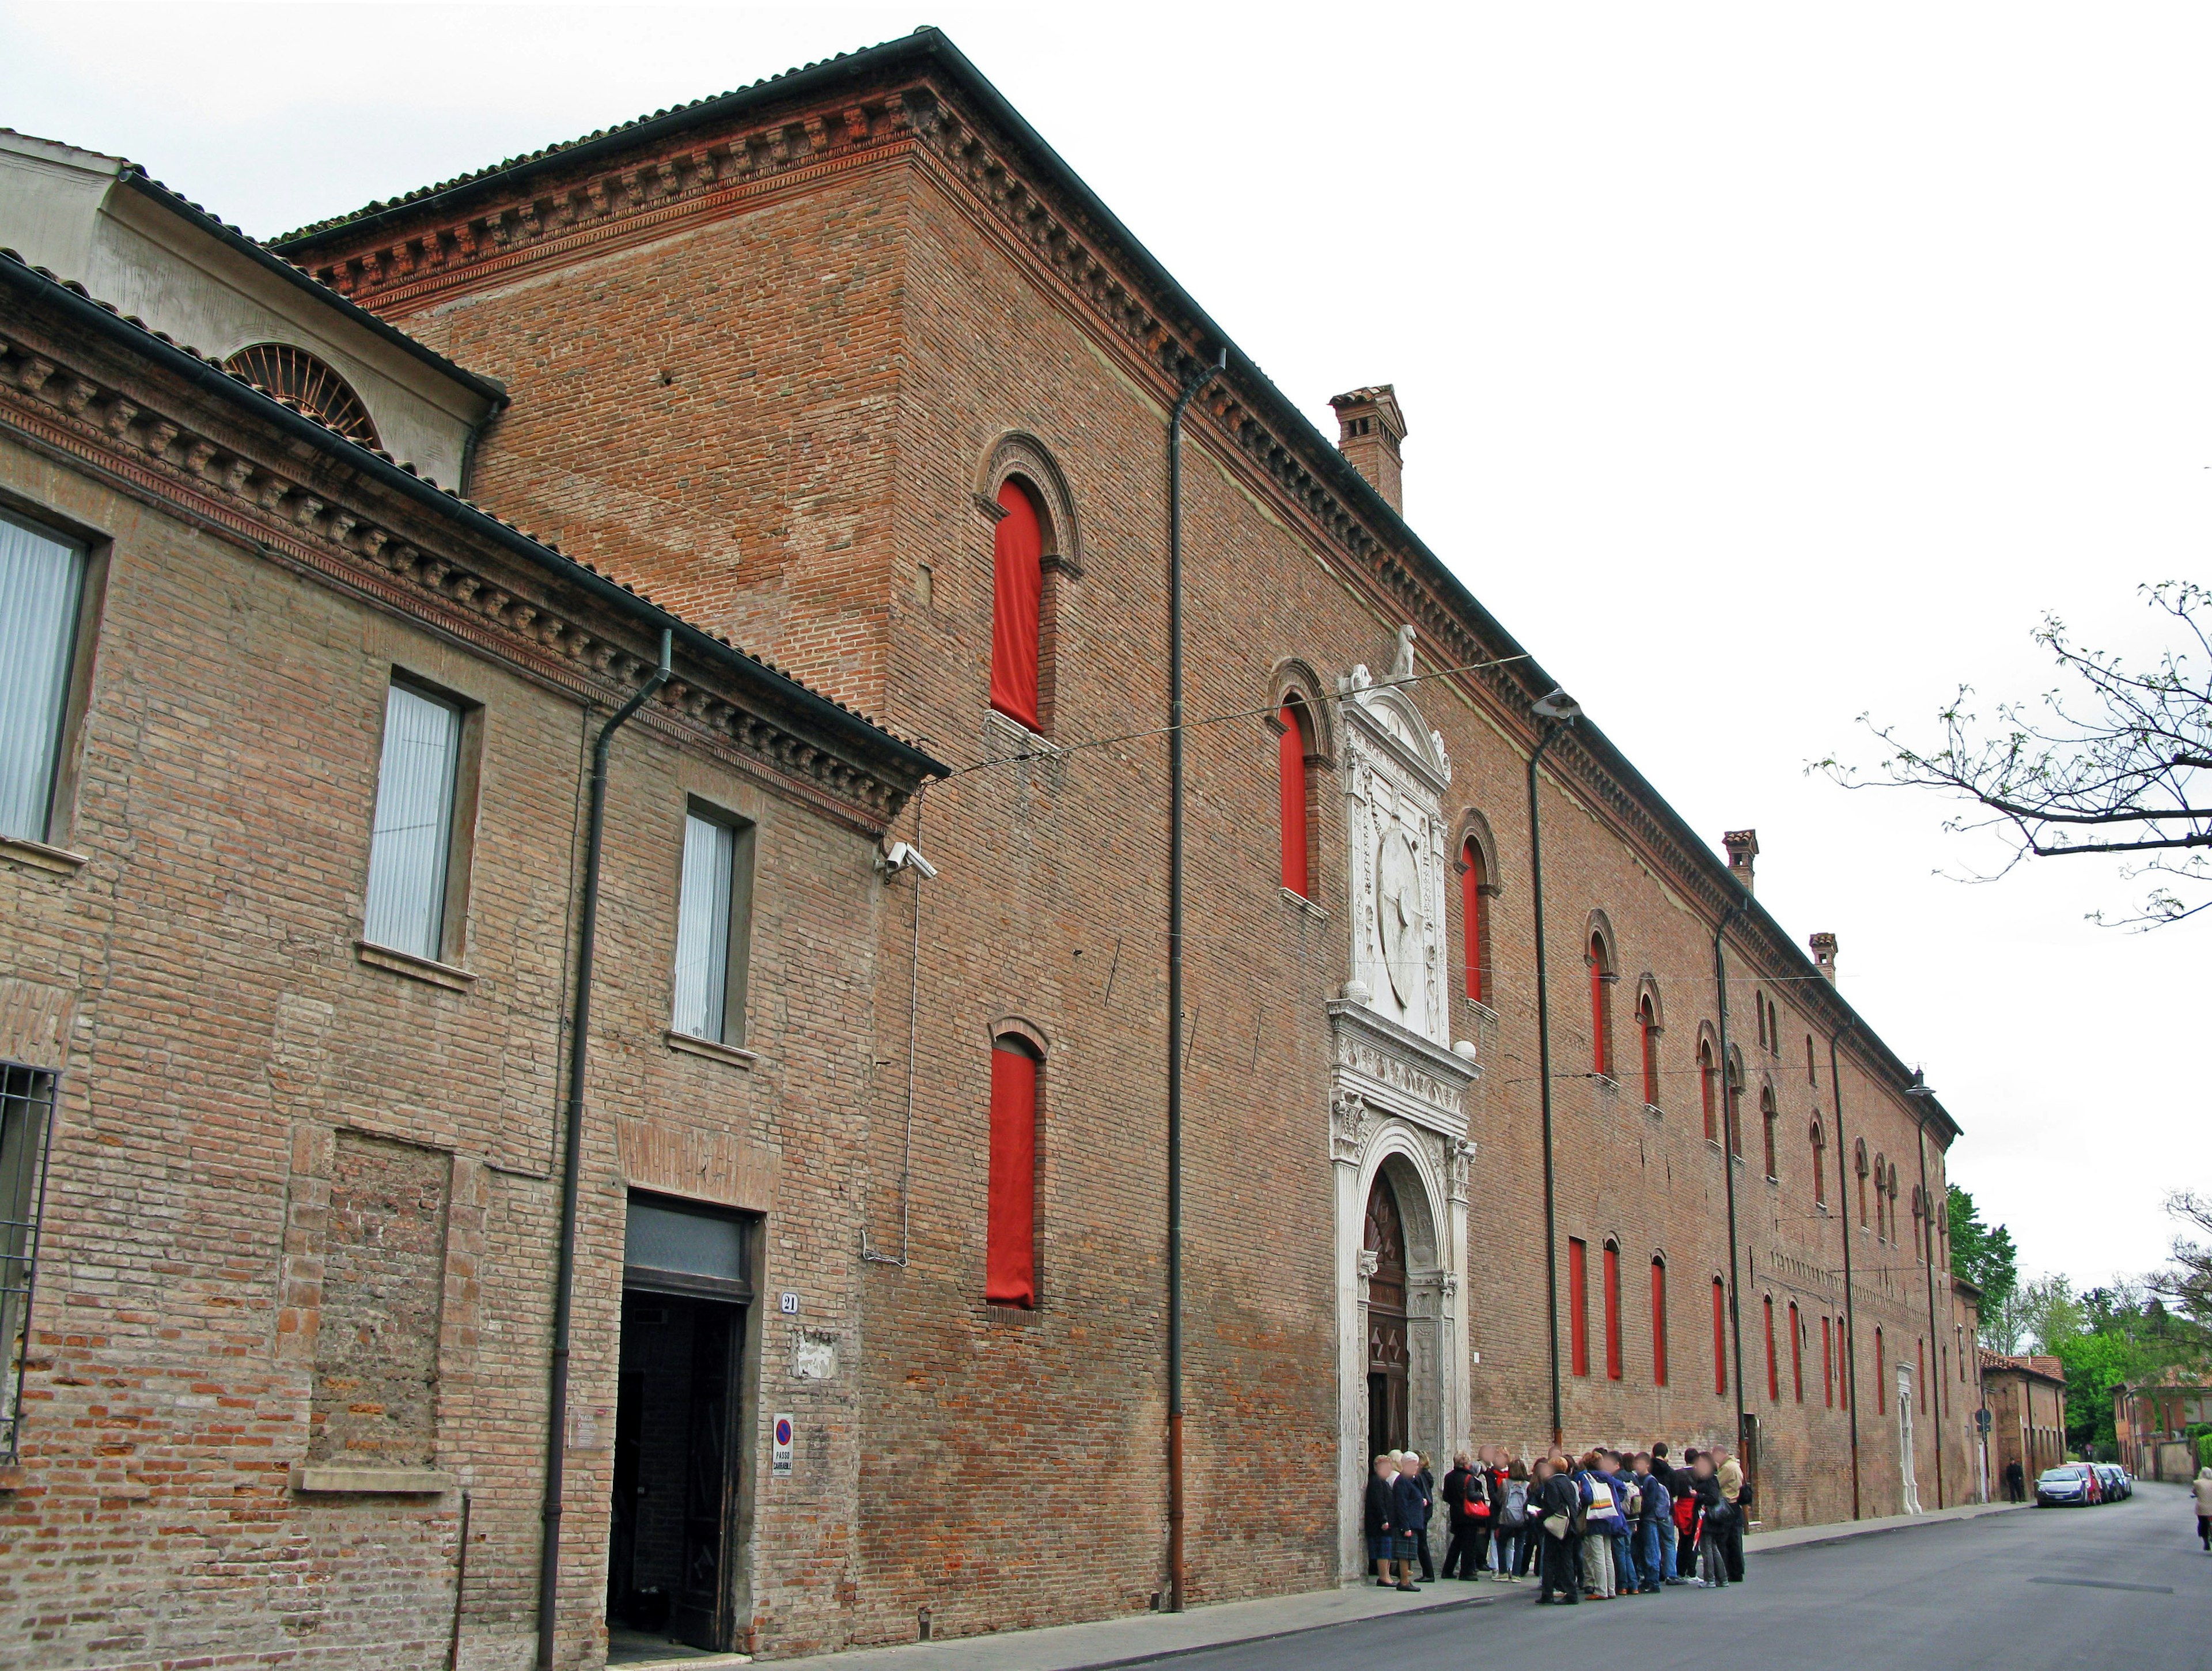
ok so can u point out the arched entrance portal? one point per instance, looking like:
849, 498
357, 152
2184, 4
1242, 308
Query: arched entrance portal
1388, 1427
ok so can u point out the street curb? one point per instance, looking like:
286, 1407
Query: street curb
1278, 1636
1845, 1531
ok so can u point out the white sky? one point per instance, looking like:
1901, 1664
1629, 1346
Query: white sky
1765, 367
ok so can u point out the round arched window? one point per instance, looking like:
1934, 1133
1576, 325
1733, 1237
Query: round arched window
308, 383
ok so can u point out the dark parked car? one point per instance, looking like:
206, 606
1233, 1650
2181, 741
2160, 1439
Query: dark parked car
2114, 1479
2069, 1484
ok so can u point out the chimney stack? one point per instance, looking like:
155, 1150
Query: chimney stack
1824, 955
1743, 848
1370, 426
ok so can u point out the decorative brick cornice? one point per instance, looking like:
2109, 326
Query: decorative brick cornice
156, 442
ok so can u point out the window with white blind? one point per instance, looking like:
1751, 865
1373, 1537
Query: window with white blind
410, 852
713, 921
41, 582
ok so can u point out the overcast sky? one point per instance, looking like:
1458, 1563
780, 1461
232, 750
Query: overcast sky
1765, 366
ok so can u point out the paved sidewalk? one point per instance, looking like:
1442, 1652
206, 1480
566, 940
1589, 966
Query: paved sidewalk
1789, 1537
1109, 1642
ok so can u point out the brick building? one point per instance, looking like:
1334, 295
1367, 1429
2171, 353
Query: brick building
2152, 1421
849, 367
2026, 1401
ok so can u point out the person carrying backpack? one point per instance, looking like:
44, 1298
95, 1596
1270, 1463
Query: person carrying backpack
1655, 1529
1510, 1538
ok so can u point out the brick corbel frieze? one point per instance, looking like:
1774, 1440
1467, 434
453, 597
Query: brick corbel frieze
149, 442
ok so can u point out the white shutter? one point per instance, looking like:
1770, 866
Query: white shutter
702, 928
407, 854
40, 577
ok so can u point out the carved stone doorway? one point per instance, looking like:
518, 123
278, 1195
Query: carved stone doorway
1388, 1421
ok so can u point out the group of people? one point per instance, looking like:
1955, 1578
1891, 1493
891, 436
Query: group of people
1610, 1523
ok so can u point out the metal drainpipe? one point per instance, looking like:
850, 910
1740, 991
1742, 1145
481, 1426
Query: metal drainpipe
1190, 392
1551, 729
1851, 1313
1928, 1257
564, 1290
1731, 1129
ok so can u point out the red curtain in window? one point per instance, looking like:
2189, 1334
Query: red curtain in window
1705, 1090
1647, 1027
1474, 914
1290, 754
1720, 1338
1920, 1374
1658, 1323
1611, 1313
1601, 1023
1010, 1251
1828, 1362
1773, 1376
1796, 1356
1017, 597
1578, 1304
1880, 1365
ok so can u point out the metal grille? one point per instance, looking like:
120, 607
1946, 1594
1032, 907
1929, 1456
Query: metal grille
26, 1114
299, 377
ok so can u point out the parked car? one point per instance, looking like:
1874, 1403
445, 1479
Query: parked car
2113, 1479
2069, 1484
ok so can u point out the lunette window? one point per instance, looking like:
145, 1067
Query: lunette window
1010, 1242
410, 852
713, 917
27, 1111
41, 585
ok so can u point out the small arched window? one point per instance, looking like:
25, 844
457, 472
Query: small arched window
1292, 747
1601, 981
1017, 605
1859, 1169
1647, 1040
1720, 1338
309, 384
1769, 1119
1708, 1090
1733, 1096
1658, 1320
1010, 1244
1820, 1166
1474, 891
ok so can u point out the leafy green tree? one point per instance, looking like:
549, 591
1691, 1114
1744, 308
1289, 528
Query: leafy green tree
2188, 1281
1987, 1258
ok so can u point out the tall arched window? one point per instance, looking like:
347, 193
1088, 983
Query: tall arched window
1292, 749
1720, 1338
1843, 1366
1708, 1090
1658, 1320
1859, 1169
1880, 1368
1758, 1007
1811, 1073
1475, 920
1796, 1356
1880, 1200
1601, 981
1733, 1098
1828, 1362
1578, 1305
1768, 1119
1647, 1038
1773, 1372
1010, 1250
1919, 1226
1017, 605
1613, 1311
1820, 1166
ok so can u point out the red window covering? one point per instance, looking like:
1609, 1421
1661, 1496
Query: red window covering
1578, 1303
1828, 1362
1766, 1117
1474, 918
1658, 1322
1705, 1090
1647, 1026
1290, 752
1878, 1366
1820, 1171
1611, 1312
1601, 1015
1010, 1251
1845, 1386
1017, 597
1773, 1378
1720, 1338
1920, 1374
1796, 1356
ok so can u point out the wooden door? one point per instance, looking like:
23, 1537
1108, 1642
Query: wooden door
1387, 1426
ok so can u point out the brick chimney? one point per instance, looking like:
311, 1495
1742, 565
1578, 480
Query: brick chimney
1824, 955
1370, 426
1743, 848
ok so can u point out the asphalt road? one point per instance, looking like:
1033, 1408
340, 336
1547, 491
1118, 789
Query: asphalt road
2123, 1584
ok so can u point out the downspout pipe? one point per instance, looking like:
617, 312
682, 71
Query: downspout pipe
564, 1287
1851, 1313
1556, 712
1191, 387
1731, 1131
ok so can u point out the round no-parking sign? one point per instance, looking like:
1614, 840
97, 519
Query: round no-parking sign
780, 1467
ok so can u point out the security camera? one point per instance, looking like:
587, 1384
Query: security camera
899, 856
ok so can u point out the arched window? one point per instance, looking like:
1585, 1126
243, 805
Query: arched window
1708, 1089
1613, 1311
1880, 1200
1773, 1371
1647, 1038
1578, 1305
1881, 1367
1758, 1007
1919, 1227
1733, 1097
1768, 1119
1811, 1073
1292, 749
307, 383
1859, 1168
1796, 1356
1843, 1366
1010, 1251
1820, 1166
1474, 891
1893, 1205
1920, 1372
1601, 981
1658, 1320
1828, 1362
1017, 605
1720, 1338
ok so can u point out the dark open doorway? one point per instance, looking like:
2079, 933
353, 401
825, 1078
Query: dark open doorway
1387, 1415
673, 1528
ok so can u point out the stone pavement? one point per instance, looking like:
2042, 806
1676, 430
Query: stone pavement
1139, 1637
